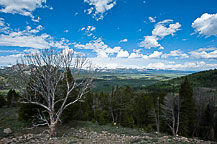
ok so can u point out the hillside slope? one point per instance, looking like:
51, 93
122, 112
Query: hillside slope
200, 79
82, 132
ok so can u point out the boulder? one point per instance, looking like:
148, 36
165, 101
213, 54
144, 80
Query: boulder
7, 131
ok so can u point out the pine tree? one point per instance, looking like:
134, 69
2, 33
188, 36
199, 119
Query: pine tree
9, 97
12, 98
188, 110
128, 102
142, 110
73, 111
2, 101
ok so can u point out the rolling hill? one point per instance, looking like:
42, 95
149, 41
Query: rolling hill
206, 79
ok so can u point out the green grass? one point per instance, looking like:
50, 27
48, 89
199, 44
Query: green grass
4, 92
9, 119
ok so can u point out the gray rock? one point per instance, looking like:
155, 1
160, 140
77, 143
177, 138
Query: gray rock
7, 131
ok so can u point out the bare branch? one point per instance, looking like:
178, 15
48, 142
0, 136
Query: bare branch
43, 73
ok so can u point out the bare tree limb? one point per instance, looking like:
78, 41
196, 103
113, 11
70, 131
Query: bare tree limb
43, 72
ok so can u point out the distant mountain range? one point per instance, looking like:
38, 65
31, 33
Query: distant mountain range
139, 71
15, 68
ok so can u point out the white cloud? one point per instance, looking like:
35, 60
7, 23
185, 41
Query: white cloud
22, 40
30, 38
206, 25
88, 30
112, 65
66, 31
136, 54
151, 64
12, 58
155, 54
175, 53
124, 40
151, 19
140, 30
157, 66
9, 59
162, 29
39, 27
35, 19
99, 47
122, 53
101, 53
36, 30
150, 42
204, 53
9, 51
66, 51
200, 65
4, 27
63, 43
119, 62
99, 7
95, 44
207, 49
113, 50
31, 51
76, 13
91, 28
22, 7
2, 23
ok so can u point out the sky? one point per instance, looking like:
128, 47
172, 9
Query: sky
153, 34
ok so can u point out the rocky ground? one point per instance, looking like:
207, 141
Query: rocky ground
88, 136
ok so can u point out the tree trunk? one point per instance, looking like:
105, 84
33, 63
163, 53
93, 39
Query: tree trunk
52, 125
158, 127
177, 125
52, 130
113, 119
212, 133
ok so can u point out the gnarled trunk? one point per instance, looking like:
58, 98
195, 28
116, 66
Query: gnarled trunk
52, 130
52, 125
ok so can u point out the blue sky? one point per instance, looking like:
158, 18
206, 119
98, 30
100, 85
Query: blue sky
169, 34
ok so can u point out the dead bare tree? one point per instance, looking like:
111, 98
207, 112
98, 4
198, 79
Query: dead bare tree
171, 112
46, 70
156, 114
